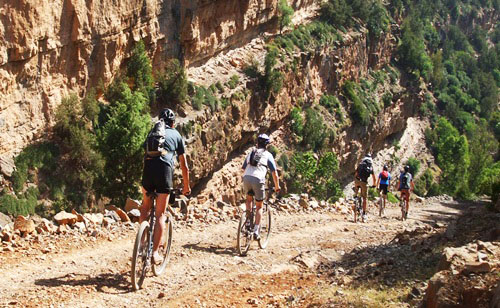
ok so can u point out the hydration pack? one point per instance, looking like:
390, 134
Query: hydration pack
156, 139
255, 156
384, 175
405, 181
365, 169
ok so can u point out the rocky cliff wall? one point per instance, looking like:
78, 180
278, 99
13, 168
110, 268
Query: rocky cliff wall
220, 136
49, 49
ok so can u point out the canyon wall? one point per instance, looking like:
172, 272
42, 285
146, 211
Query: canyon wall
48, 50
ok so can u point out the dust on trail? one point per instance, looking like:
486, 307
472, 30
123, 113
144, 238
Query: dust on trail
204, 269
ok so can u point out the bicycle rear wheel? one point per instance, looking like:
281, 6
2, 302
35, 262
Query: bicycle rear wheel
139, 256
244, 237
265, 227
164, 249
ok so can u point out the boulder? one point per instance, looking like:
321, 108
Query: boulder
131, 204
112, 214
134, 215
4, 220
476, 267
79, 217
46, 226
303, 203
108, 221
24, 225
96, 219
64, 218
122, 216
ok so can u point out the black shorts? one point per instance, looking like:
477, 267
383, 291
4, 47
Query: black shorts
157, 176
383, 188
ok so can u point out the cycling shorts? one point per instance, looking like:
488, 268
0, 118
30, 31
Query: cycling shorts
253, 184
364, 187
405, 193
383, 188
157, 176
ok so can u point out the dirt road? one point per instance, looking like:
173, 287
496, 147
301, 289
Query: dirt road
205, 270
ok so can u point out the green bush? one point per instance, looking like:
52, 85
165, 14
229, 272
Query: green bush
285, 14
314, 131
172, 85
392, 198
139, 69
330, 102
284, 162
273, 150
25, 205
387, 99
358, 110
315, 177
414, 165
297, 123
233, 81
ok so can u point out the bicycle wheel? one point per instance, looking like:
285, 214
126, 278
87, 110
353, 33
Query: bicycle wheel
164, 249
265, 227
244, 237
355, 210
403, 209
139, 256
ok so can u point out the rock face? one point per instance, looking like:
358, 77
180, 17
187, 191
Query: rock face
48, 50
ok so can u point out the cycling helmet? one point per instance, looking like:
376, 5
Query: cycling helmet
407, 168
386, 168
369, 155
263, 140
167, 115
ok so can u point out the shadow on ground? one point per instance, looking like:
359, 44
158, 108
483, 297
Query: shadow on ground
105, 282
218, 250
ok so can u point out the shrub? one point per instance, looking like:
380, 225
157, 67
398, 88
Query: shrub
330, 102
387, 99
233, 81
297, 123
314, 132
139, 69
285, 13
358, 109
273, 150
172, 85
414, 165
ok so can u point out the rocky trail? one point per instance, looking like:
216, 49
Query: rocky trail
314, 258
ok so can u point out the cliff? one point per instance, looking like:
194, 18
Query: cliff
50, 50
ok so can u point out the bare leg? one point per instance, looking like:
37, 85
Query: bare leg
249, 204
161, 203
258, 212
145, 207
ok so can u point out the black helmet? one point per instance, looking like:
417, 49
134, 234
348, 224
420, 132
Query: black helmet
386, 168
263, 140
407, 168
167, 115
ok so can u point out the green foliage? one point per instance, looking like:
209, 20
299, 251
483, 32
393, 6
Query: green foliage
285, 14
139, 69
297, 123
358, 110
452, 156
412, 52
273, 150
204, 96
392, 198
172, 85
315, 176
284, 162
414, 165
314, 132
423, 183
330, 102
387, 99
120, 141
24, 205
233, 81
273, 79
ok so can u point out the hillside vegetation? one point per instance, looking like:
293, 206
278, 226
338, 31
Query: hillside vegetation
449, 49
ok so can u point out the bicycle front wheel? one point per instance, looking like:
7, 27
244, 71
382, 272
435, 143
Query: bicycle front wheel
244, 237
164, 249
139, 256
265, 227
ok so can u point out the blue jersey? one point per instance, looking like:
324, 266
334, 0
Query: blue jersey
386, 181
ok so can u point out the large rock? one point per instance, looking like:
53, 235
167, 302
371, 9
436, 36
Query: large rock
24, 225
131, 204
121, 214
64, 218
134, 215
4, 220
79, 217
96, 219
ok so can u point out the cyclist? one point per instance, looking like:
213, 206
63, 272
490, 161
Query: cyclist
383, 182
405, 186
363, 172
159, 169
255, 169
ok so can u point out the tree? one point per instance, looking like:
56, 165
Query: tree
173, 85
314, 132
139, 69
120, 142
285, 14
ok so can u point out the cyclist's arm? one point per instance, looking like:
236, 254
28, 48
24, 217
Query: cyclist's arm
185, 174
378, 181
276, 180
373, 178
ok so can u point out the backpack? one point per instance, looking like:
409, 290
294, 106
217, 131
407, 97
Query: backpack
364, 170
384, 175
405, 181
255, 156
155, 140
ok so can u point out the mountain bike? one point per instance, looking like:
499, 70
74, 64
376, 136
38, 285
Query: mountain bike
357, 208
402, 204
246, 226
142, 256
